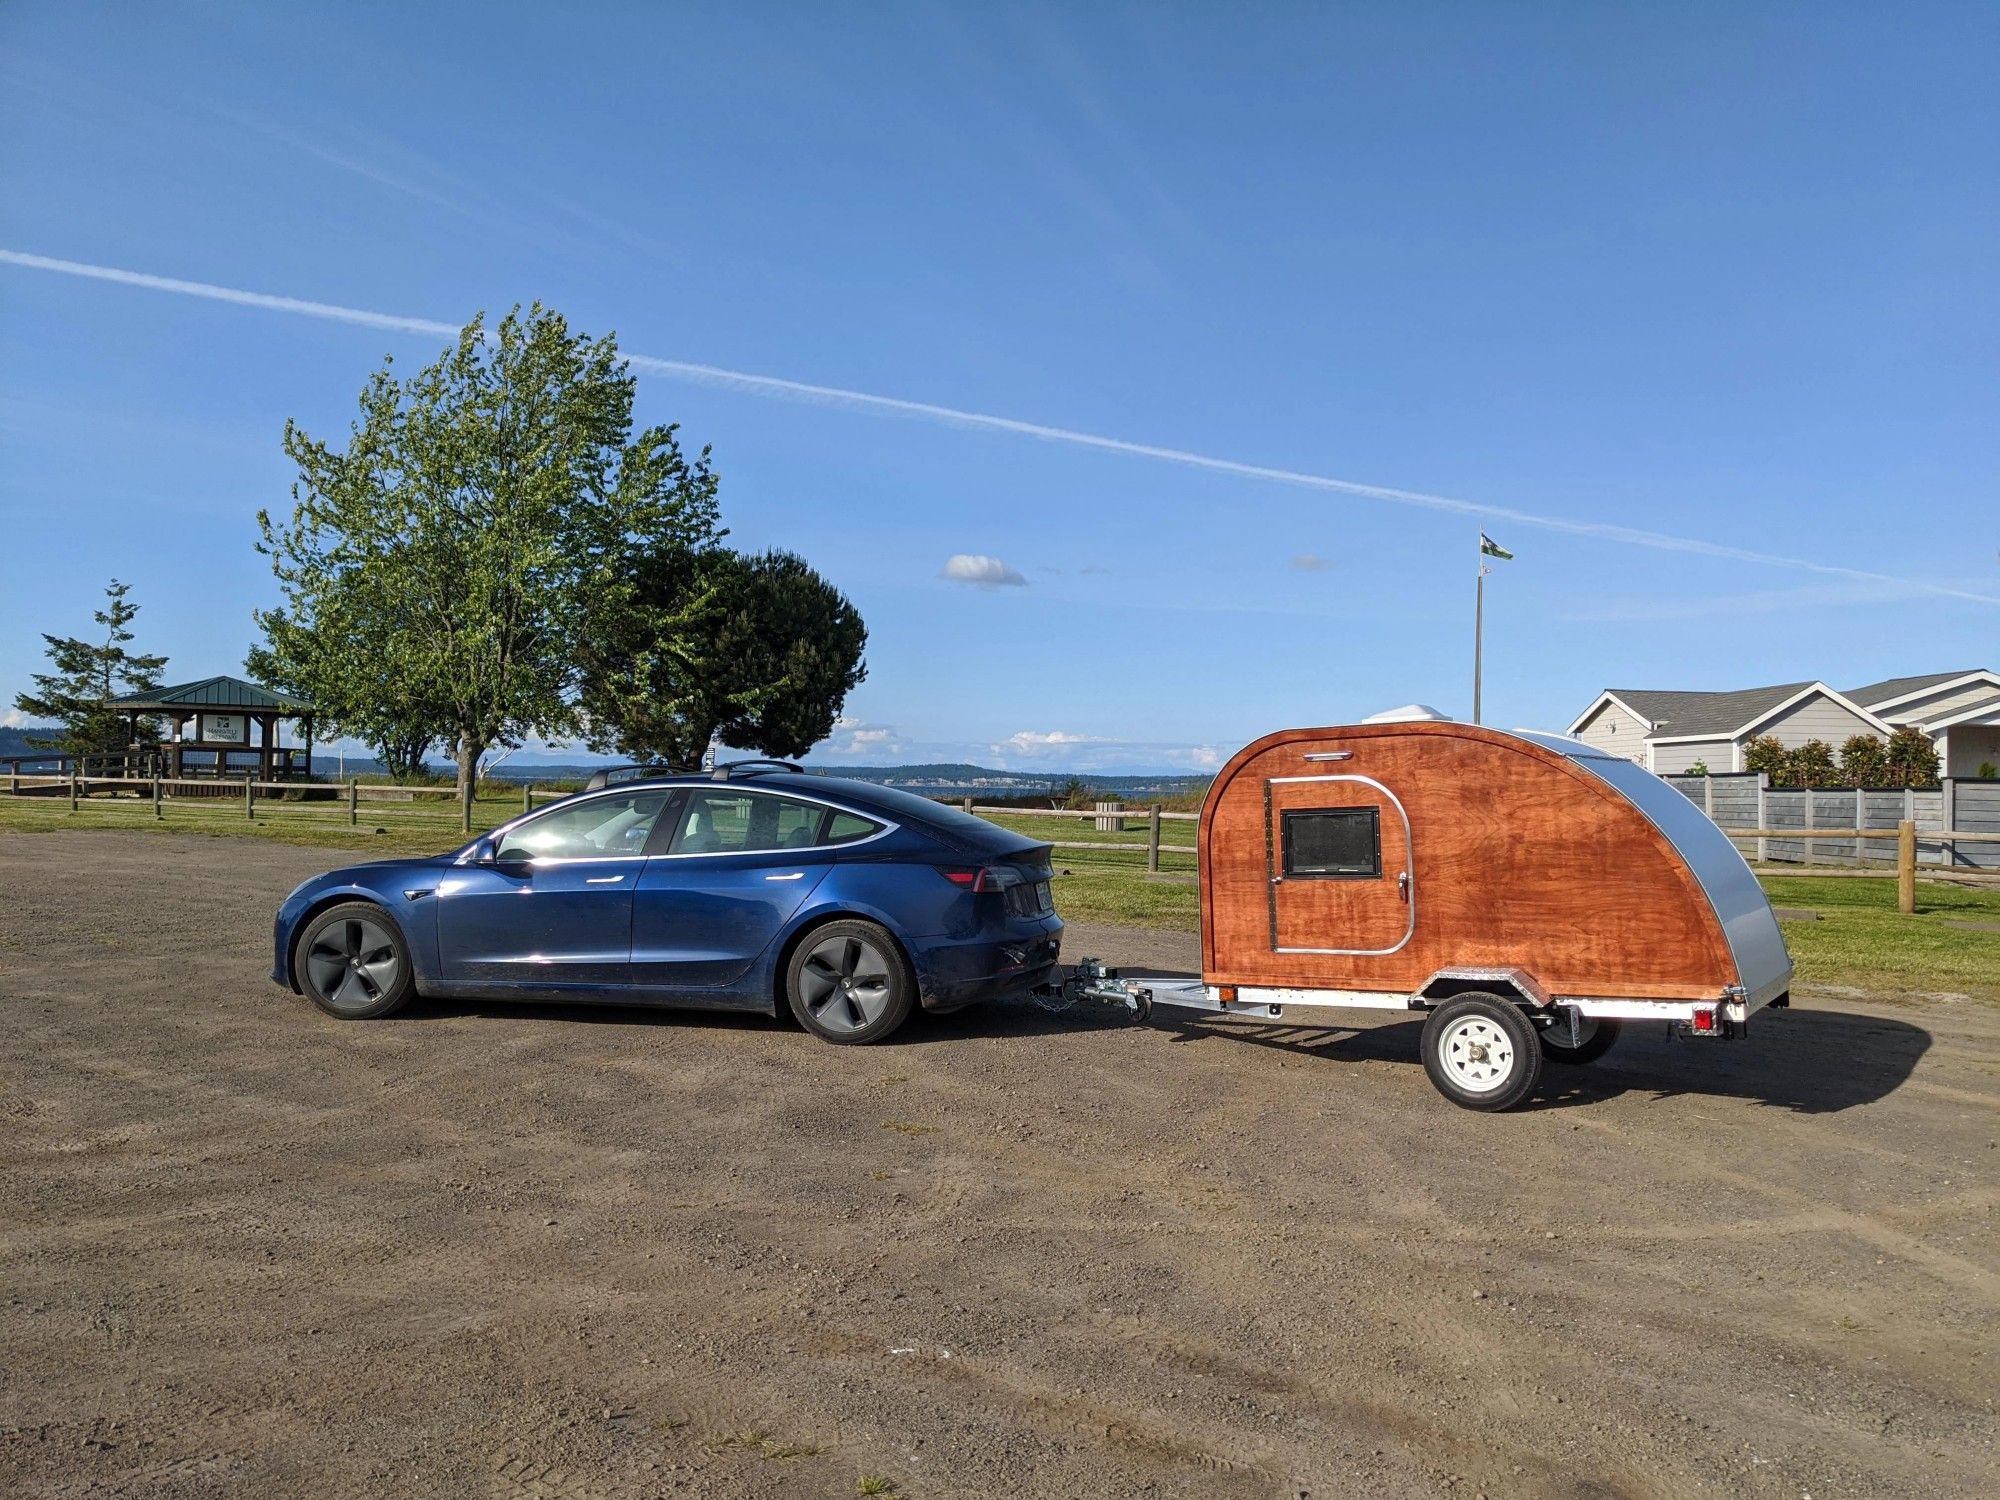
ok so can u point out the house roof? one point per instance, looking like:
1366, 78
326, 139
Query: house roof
1897, 687
1680, 715
214, 692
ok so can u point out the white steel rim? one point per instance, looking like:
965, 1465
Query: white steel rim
1477, 1054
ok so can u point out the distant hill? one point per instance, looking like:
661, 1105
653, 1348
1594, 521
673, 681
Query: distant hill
14, 740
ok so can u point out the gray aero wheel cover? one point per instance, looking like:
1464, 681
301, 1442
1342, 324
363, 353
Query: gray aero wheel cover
352, 963
844, 983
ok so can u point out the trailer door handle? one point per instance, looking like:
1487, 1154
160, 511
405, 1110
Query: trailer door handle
1403, 885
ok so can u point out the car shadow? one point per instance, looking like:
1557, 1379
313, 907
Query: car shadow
1806, 1060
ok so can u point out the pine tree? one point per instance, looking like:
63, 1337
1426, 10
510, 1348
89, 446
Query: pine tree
86, 675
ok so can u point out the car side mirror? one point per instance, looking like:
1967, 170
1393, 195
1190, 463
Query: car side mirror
485, 852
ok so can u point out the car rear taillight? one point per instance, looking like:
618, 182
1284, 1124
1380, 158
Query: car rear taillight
980, 881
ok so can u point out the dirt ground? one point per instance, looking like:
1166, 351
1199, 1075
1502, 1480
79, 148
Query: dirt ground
245, 1249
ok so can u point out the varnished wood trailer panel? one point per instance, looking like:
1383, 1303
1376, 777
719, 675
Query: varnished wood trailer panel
1517, 856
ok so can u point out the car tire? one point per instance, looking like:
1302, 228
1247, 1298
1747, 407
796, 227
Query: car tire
1600, 1033
353, 963
848, 983
1481, 1052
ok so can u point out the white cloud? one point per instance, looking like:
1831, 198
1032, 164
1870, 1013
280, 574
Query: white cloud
855, 737
12, 719
981, 571
1035, 743
1309, 562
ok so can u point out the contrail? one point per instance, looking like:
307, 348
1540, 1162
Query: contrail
828, 395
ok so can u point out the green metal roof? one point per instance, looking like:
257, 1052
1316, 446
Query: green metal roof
214, 692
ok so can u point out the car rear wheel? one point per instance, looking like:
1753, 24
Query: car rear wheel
848, 983
353, 963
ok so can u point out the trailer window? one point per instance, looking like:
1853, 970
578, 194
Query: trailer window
1333, 843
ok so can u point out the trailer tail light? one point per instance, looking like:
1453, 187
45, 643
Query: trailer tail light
1226, 994
1704, 1018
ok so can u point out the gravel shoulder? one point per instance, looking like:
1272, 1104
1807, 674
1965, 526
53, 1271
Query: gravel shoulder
486, 1250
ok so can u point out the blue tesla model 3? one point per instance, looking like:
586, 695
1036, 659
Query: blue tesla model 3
753, 887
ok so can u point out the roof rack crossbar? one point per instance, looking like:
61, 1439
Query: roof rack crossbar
731, 768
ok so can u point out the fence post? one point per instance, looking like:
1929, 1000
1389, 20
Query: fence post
1763, 844
353, 800
1906, 867
527, 797
72, 786
1948, 806
465, 802
1708, 796
157, 814
1860, 822
965, 804
1153, 841
1812, 856
250, 796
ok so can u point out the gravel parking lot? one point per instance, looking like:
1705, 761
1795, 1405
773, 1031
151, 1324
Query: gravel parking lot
579, 1252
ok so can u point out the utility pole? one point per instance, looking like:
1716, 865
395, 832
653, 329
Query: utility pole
1487, 548
1478, 627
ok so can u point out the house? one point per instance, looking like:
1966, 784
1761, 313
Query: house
1669, 732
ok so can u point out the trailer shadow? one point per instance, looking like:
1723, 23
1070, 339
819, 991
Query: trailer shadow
1808, 1061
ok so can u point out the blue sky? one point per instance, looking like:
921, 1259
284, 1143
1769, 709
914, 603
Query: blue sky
1725, 273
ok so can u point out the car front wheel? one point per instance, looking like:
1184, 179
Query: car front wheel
848, 983
353, 963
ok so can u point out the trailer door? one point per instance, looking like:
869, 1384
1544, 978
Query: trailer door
1337, 850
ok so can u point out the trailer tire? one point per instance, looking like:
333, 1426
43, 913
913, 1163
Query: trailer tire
1481, 1052
1597, 1040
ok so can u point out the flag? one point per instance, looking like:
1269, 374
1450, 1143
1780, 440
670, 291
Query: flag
1490, 548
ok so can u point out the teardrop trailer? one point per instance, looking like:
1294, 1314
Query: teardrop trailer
1527, 892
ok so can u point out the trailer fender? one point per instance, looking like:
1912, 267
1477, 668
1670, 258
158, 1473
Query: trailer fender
1448, 983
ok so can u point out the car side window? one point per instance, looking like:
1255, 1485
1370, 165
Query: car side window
847, 828
599, 828
719, 822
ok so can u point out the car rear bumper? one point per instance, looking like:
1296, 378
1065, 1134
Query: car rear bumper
951, 976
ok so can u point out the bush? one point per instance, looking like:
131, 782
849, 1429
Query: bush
1812, 764
1767, 753
1864, 761
1699, 768
1913, 759
1988, 771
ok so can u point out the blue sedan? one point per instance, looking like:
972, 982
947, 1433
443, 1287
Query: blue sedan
749, 888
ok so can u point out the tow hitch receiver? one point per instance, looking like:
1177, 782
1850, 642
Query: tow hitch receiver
1092, 983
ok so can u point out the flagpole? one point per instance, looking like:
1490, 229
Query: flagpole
1478, 625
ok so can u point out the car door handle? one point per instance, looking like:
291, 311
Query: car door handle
795, 875
602, 879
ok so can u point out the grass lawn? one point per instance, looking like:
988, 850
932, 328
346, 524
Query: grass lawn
1860, 939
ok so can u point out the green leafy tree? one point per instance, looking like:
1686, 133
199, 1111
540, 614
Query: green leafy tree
1812, 764
1767, 753
759, 651
85, 674
1913, 759
440, 571
1864, 761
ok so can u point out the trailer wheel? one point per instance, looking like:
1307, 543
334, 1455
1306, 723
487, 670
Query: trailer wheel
1481, 1052
1598, 1032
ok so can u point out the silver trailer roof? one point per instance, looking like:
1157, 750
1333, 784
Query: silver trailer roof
1762, 964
